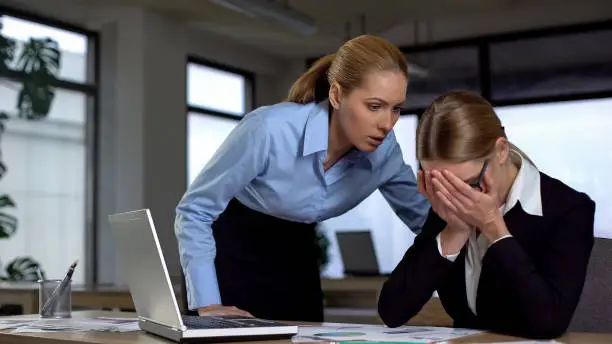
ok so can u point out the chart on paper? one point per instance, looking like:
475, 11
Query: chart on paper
374, 333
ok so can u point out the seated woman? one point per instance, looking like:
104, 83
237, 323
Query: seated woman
505, 246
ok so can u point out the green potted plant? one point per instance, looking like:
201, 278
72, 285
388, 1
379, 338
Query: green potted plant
33, 67
322, 243
323, 247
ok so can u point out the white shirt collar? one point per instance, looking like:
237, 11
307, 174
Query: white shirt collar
526, 189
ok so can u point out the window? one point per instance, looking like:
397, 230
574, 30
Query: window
552, 66
540, 65
575, 148
216, 89
390, 235
73, 45
48, 161
205, 133
217, 98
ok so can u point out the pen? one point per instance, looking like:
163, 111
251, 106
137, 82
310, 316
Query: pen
60, 288
40, 276
369, 342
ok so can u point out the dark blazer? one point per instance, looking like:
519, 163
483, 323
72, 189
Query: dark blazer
530, 284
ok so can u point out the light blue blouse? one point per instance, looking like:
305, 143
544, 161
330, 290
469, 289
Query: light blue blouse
272, 163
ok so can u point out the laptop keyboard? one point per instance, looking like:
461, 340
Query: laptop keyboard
197, 322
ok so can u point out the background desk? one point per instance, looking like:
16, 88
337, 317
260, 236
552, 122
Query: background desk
351, 299
355, 300
109, 297
140, 337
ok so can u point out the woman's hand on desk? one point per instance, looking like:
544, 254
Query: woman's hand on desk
220, 310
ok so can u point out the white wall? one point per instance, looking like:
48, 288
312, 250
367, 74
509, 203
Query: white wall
289, 74
143, 118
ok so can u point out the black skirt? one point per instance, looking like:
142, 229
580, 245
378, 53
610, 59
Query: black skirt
267, 266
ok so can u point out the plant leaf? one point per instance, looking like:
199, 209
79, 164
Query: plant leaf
7, 52
23, 269
40, 61
35, 99
40, 55
8, 225
2, 169
3, 118
322, 243
6, 201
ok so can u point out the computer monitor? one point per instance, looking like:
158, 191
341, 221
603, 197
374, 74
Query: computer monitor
358, 254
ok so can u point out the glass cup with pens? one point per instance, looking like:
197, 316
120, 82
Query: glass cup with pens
55, 296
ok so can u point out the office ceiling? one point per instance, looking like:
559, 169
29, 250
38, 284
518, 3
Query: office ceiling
388, 18
396, 20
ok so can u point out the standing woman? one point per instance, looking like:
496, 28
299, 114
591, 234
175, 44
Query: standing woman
246, 226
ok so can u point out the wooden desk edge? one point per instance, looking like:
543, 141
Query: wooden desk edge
140, 337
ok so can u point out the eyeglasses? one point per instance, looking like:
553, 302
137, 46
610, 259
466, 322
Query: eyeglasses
478, 184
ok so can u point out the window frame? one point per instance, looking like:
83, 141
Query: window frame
484, 45
249, 92
92, 114
485, 75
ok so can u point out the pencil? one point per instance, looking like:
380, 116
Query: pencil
39, 274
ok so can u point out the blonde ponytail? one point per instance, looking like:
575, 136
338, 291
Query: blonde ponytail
513, 147
312, 85
347, 68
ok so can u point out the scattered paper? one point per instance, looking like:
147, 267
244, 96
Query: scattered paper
29, 330
74, 325
122, 320
8, 324
529, 342
375, 333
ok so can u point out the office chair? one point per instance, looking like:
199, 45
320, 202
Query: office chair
594, 311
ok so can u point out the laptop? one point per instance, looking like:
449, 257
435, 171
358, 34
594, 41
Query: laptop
358, 254
158, 312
